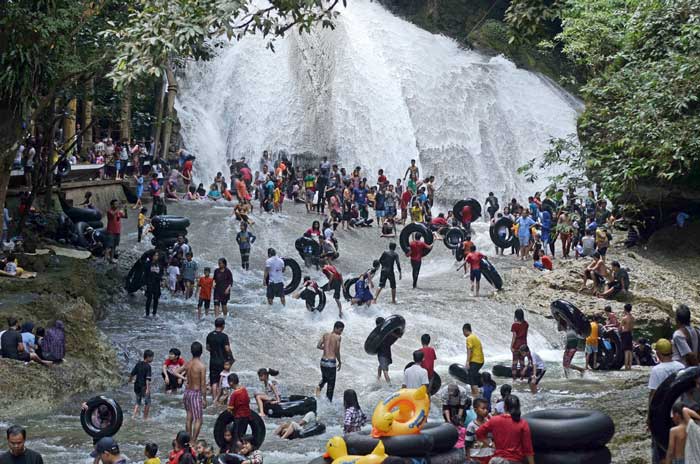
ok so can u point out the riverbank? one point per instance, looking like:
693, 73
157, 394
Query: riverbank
76, 292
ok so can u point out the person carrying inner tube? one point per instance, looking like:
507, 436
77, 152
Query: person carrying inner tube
387, 261
154, 276
308, 292
335, 283
274, 276
417, 249
492, 203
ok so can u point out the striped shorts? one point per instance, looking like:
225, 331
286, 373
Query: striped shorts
192, 400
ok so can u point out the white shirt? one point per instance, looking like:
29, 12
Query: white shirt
661, 371
328, 233
173, 271
537, 361
275, 269
415, 376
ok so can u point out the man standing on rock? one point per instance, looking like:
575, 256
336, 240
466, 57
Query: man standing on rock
627, 327
18, 453
195, 397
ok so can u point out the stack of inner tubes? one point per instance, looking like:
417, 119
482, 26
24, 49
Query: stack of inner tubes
570, 316
507, 241
166, 229
570, 436
407, 236
293, 266
92, 216
661, 403
102, 418
393, 325
491, 274
294, 405
610, 353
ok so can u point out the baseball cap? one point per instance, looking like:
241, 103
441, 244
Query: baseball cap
663, 346
105, 444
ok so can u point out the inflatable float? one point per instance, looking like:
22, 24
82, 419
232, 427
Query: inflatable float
102, 418
507, 241
294, 405
296, 275
393, 324
415, 228
570, 316
491, 274
256, 425
472, 203
454, 238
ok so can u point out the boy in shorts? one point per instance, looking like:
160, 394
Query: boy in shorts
189, 274
205, 285
171, 371
141, 375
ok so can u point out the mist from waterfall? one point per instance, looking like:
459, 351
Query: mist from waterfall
375, 92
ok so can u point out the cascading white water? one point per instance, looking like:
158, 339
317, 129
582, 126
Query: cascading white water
375, 92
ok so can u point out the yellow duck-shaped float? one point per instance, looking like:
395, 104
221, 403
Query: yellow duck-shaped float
403, 413
337, 450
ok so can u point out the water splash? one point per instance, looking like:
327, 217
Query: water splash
375, 92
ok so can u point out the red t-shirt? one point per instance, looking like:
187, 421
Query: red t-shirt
417, 249
381, 179
239, 401
172, 365
547, 262
187, 170
246, 174
313, 232
114, 221
405, 199
467, 214
429, 360
520, 331
512, 439
474, 260
332, 273
205, 286
439, 221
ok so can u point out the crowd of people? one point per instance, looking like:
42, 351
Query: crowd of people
490, 430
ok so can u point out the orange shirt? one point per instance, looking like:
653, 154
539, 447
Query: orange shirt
205, 286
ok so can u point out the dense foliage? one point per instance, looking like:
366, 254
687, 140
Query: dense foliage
641, 119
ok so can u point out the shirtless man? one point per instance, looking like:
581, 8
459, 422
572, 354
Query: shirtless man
195, 397
596, 271
330, 362
412, 170
626, 335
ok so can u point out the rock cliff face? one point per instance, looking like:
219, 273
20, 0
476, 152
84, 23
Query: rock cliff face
73, 291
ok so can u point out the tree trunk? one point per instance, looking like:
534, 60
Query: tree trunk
160, 101
69, 122
10, 134
125, 117
168, 127
87, 115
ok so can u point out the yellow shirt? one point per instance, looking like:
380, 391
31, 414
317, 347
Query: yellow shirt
152, 461
474, 348
592, 339
276, 195
416, 214
142, 219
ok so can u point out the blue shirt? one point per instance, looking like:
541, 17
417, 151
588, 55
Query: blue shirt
534, 210
244, 240
360, 196
189, 270
524, 224
546, 220
29, 340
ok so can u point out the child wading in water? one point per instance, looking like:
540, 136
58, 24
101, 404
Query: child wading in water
205, 284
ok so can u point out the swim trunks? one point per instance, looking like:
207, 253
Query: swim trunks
626, 338
192, 399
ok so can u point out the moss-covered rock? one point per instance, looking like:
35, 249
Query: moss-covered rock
74, 291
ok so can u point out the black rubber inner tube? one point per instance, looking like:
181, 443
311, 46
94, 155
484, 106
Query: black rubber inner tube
393, 324
459, 372
571, 316
83, 214
435, 384
413, 228
349, 288
107, 418
63, 167
501, 370
163, 234
310, 431
303, 243
293, 266
610, 357
459, 253
95, 224
491, 274
319, 299
583, 456
503, 242
661, 403
129, 193
362, 443
569, 429
256, 426
444, 436
454, 238
472, 203
294, 405
170, 222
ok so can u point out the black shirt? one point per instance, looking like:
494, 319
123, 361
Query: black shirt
388, 259
384, 350
216, 344
8, 344
29, 457
142, 372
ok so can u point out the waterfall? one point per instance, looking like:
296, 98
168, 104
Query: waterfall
375, 92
